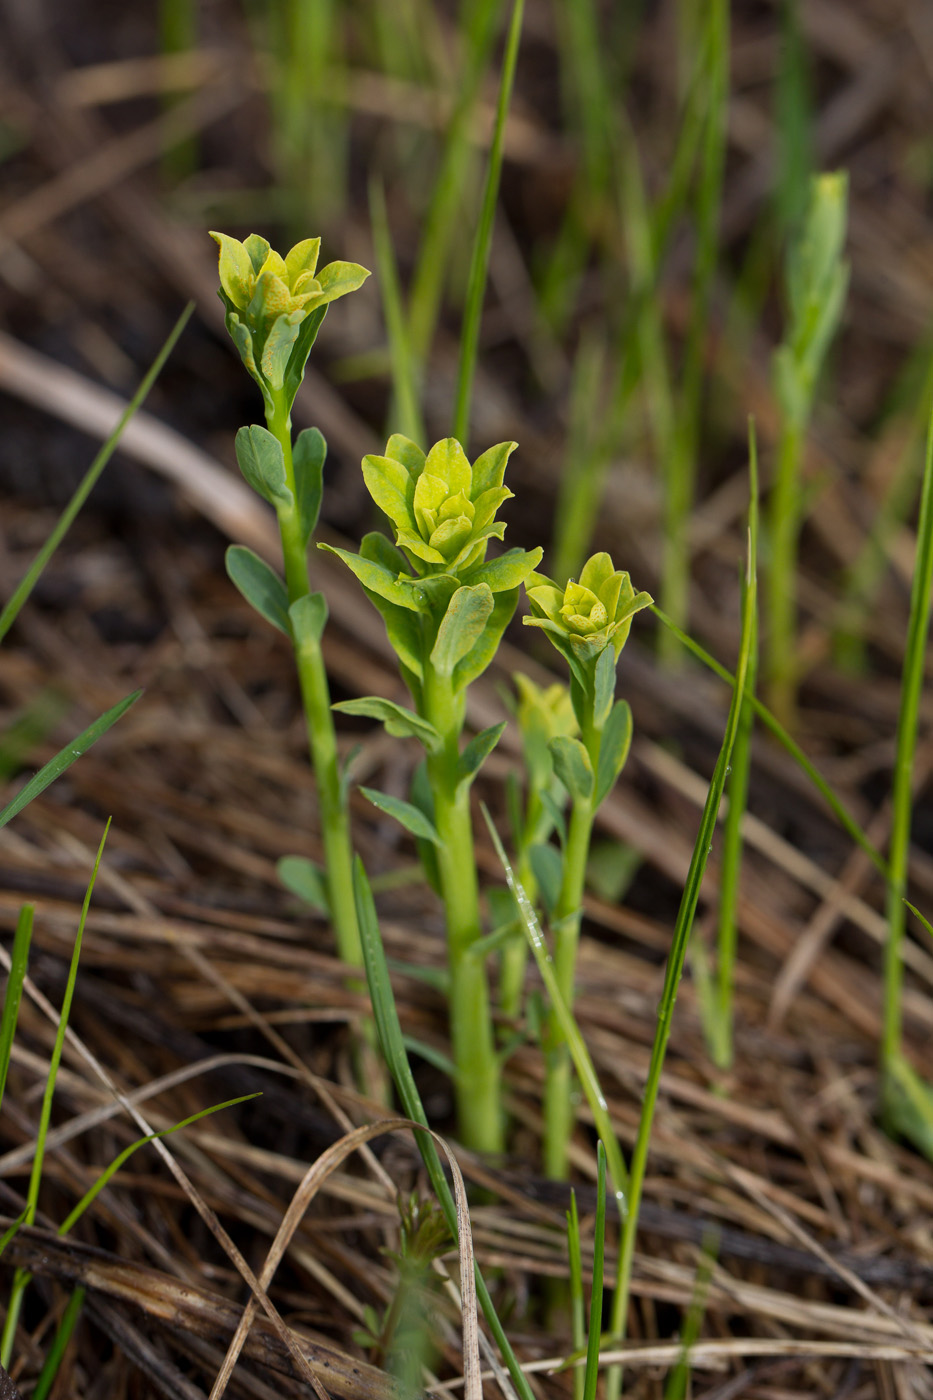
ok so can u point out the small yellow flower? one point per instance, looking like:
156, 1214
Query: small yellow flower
268, 298
588, 615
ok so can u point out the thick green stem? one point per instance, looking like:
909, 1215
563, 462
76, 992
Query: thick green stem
558, 1088
479, 1106
315, 699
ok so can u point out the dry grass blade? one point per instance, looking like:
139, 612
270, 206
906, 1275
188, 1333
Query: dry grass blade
190, 1309
314, 1178
193, 1195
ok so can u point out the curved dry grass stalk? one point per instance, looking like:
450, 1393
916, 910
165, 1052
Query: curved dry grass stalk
314, 1178
193, 1195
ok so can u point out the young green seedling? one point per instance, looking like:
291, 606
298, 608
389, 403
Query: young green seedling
588, 622
817, 281
445, 608
275, 307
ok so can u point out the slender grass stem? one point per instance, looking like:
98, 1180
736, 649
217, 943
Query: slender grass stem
443, 213
790, 745
19, 962
783, 534
315, 697
89, 480
476, 287
477, 1084
21, 1276
720, 1034
392, 1042
404, 376
559, 1110
679, 946
902, 797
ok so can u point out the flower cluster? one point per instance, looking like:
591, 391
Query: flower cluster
442, 508
588, 615
275, 305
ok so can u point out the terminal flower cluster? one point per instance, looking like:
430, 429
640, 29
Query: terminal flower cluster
588, 615
269, 299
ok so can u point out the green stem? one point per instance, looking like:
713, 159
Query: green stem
558, 1085
514, 959
315, 698
784, 521
720, 1032
479, 1107
902, 796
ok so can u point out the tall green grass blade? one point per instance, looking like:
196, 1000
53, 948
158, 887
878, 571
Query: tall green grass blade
65, 758
717, 1009
479, 266
311, 122
577, 1314
19, 961
923, 919
586, 459
391, 1040
404, 376
682, 933
90, 1196
793, 121
445, 210
21, 1276
845, 819
817, 278
63, 1335
719, 1035
65, 521
582, 1063
591, 1374
901, 796
178, 33
712, 91
864, 577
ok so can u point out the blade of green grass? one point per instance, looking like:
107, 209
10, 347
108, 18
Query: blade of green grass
65, 758
577, 1315
444, 212
388, 1027
586, 460
712, 97
63, 1334
404, 377
591, 1375
19, 961
901, 795
110, 1171
845, 819
65, 521
479, 266
793, 120
716, 1001
680, 944
583, 1064
21, 1276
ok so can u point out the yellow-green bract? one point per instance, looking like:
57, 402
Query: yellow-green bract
269, 298
443, 509
588, 615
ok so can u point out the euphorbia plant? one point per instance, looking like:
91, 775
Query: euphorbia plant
275, 307
588, 621
445, 607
